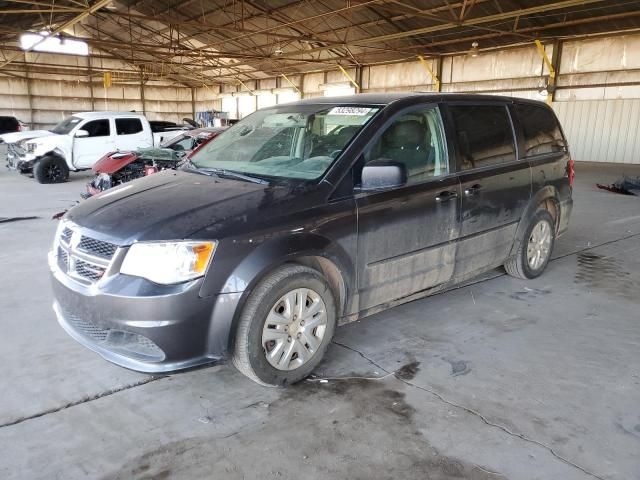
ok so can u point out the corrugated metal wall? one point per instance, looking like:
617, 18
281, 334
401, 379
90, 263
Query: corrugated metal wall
43, 100
597, 96
602, 130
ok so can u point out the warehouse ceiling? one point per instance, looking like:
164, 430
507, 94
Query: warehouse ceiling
197, 42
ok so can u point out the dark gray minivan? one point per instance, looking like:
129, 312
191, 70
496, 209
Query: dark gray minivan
307, 215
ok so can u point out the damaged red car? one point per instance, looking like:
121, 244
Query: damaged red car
116, 168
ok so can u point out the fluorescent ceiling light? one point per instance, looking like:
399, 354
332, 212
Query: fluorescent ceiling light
44, 43
334, 85
338, 91
283, 90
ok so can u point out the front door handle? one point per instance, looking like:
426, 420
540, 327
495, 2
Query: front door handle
446, 195
473, 189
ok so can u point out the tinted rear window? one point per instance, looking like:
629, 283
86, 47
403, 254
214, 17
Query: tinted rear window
128, 126
8, 124
540, 129
484, 135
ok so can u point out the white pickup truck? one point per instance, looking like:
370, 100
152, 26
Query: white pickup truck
80, 140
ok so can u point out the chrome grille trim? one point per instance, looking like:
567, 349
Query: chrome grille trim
65, 237
83, 258
97, 248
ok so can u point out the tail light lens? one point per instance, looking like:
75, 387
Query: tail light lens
571, 171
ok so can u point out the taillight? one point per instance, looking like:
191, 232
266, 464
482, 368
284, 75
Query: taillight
571, 171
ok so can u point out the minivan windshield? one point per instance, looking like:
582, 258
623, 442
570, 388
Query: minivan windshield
66, 125
288, 141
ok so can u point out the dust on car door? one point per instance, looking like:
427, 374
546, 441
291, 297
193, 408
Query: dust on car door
496, 186
88, 149
407, 234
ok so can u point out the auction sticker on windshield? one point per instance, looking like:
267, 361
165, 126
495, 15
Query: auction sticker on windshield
349, 111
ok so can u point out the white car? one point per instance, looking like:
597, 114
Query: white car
79, 141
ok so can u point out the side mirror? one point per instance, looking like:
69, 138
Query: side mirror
382, 173
81, 133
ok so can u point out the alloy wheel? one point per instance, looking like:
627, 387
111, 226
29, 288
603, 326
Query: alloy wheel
53, 173
539, 246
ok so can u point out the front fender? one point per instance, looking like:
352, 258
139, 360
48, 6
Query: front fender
258, 261
57, 145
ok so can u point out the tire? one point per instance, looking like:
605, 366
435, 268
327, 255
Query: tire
521, 265
51, 169
295, 346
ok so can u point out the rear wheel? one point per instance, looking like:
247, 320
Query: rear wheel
51, 169
285, 326
535, 248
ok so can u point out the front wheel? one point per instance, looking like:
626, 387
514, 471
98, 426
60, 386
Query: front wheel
285, 327
51, 169
535, 248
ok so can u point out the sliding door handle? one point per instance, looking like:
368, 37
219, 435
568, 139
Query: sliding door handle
473, 189
446, 195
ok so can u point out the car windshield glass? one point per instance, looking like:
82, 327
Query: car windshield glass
66, 125
179, 143
288, 141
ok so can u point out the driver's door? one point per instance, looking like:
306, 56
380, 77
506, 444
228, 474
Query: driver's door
100, 141
407, 235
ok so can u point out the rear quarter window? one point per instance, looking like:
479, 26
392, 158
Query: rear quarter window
484, 135
540, 130
128, 126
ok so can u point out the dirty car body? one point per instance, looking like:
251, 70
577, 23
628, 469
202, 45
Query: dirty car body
388, 197
116, 168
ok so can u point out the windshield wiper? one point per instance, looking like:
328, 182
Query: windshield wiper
221, 172
192, 167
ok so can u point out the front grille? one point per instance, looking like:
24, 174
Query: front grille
66, 236
83, 258
63, 259
89, 271
97, 247
87, 329
118, 341
13, 154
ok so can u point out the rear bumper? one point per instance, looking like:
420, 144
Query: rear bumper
142, 326
566, 206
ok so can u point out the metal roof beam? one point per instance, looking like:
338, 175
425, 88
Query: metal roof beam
451, 25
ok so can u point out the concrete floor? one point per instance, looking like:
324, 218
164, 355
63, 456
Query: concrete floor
501, 379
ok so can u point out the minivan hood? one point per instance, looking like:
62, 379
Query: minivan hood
173, 205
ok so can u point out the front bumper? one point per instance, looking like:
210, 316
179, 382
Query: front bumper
142, 326
20, 159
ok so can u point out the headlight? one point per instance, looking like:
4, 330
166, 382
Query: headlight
168, 262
